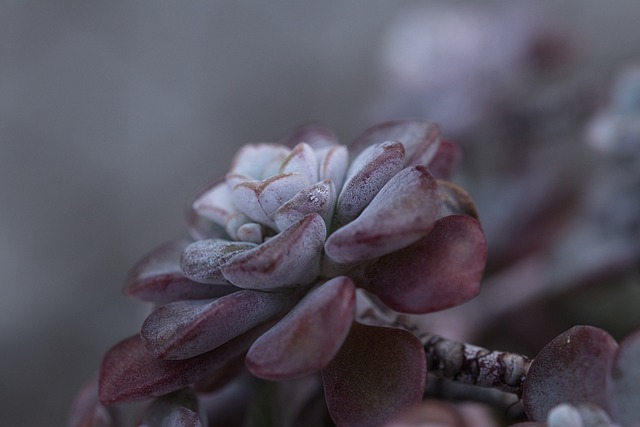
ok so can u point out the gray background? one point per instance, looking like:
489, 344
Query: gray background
113, 113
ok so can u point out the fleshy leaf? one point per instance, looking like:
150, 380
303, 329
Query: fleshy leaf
625, 392
302, 160
185, 329
256, 161
454, 200
401, 213
159, 278
317, 136
378, 373
289, 258
368, 173
318, 198
87, 411
309, 336
445, 162
333, 163
420, 139
216, 204
439, 271
177, 409
573, 368
202, 260
259, 200
129, 372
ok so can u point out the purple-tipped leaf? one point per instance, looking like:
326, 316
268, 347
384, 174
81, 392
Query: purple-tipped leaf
420, 139
333, 164
302, 160
309, 336
439, 271
624, 399
129, 372
159, 278
202, 260
368, 173
259, 200
402, 212
185, 329
288, 259
377, 374
573, 368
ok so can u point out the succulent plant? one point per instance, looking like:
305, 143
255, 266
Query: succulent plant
286, 248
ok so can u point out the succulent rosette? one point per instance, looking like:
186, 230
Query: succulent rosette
286, 246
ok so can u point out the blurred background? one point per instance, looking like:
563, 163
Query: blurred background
114, 114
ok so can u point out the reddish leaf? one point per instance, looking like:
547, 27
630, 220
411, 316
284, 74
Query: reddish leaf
419, 138
309, 336
159, 278
184, 329
446, 160
402, 212
378, 373
87, 411
625, 393
573, 368
130, 372
441, 270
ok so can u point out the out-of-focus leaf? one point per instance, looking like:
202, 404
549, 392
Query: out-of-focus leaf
309, 336
378, 373
446, 160
401, 213
419, 138
454, 200
87, 411
317, 136
573, 368
202, 260
624, 399
368, 173
290, 258
439, 271
185, 329
130, 372
159, 278
177, 409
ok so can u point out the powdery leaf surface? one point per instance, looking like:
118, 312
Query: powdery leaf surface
177, 409
573, 368
446, 160
159, 278
439, 271
184, 329
202, 260
403, 211
288, 259
309, 336
378, 373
